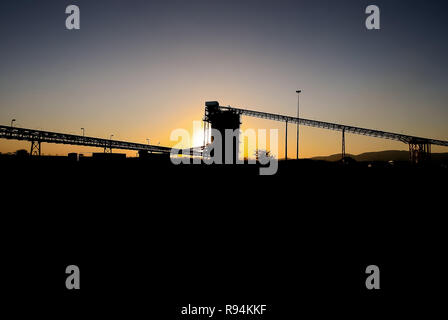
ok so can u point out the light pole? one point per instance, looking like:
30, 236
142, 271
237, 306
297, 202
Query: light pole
110, 142
82, 131
148, 144
298, 116
12, 122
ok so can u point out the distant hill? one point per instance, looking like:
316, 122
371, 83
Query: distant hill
395, 155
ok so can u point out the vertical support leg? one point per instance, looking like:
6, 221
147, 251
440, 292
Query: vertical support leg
419, 152
204, 132
297, 155
343, 145
35, 148
286, 141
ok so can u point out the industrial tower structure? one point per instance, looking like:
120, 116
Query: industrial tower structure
221, 120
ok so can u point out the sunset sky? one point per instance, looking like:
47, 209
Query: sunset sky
140, 69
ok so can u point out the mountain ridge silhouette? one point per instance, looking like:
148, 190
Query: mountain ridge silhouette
386, 155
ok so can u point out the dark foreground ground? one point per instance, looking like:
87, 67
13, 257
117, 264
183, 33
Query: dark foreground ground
150, 237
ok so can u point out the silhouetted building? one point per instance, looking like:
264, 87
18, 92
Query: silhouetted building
144, 154
108, 156
73, 156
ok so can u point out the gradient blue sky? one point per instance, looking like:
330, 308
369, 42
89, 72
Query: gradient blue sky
139, 69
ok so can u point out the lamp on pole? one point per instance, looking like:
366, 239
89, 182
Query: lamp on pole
110, 143
12, 122
298, 116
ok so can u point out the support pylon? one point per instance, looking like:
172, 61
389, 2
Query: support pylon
286, 141
107, 149
35, 148
419, 151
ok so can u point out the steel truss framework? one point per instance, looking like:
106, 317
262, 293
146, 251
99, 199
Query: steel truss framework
419, 148
340, 127
36, 137
35, 148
